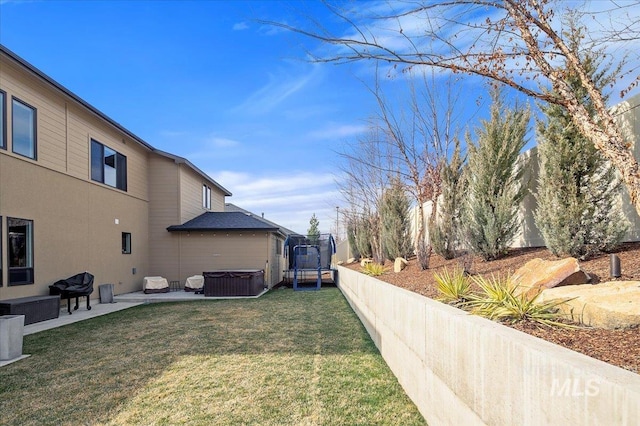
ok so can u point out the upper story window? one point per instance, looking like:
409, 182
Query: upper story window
206, 197
108, 166
23, 129
3, 120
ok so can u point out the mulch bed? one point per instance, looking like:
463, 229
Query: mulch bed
616, 347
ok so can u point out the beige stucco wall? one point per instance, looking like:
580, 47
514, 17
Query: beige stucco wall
191, 195
175, 197
164, 249
74, 228
209, 251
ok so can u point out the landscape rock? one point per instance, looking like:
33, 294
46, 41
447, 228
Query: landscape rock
609, 305
399, 264
537, 275
364, 262
351, 260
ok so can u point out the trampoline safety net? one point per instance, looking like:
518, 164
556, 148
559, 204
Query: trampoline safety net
323, 243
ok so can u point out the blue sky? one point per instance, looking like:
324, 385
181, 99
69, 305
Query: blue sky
203, 80
206, 81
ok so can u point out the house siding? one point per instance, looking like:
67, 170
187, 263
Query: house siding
75, 228
78, 223
164, 193
210, 251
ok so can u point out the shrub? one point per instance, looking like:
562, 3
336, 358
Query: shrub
394, 213
444, 233
494, 180
454, 287
500, 301
578, 212
373, 269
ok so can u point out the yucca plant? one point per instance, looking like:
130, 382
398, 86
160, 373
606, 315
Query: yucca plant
499, 301
373, 269
454, 287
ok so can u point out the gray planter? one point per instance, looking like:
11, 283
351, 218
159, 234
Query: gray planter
11, 332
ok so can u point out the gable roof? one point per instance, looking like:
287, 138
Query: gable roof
225, 221
66, 92
181, 160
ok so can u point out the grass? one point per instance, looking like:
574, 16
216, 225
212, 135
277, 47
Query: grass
298, 358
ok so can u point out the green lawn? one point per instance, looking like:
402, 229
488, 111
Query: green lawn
296, 358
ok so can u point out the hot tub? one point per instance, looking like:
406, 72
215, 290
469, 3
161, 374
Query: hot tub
229, 283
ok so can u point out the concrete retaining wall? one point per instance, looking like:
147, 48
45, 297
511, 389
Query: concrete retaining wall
462, 369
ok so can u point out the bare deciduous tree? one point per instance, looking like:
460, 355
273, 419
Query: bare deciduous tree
419, 137
521, 43
366, 172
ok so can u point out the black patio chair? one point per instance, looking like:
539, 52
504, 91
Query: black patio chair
76, 286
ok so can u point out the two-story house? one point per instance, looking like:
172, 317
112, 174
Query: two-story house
79, 192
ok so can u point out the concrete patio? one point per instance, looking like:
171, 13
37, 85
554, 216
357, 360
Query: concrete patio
122, 301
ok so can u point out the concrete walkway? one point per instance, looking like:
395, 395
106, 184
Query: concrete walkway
122, 301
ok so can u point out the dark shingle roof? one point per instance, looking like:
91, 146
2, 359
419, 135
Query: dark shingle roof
225, 221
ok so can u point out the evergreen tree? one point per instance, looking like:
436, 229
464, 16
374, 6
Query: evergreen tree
394, 212
313, 233
364, 237
445, 232
351, 237
577, 211
494, 180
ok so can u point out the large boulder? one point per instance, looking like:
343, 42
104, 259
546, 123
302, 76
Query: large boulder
537, 275
606, 305
399, 264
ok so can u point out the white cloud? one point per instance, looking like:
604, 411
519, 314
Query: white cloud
280, 87
288, 199
335, 131
218, 142
240, 26
173, 133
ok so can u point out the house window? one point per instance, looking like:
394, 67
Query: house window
20, 249
206, 197
23, 129
108, 166
3, 121
126, 243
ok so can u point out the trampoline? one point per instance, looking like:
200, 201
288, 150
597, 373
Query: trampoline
309, 258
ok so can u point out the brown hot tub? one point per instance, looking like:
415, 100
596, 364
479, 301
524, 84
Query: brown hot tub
228, 283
